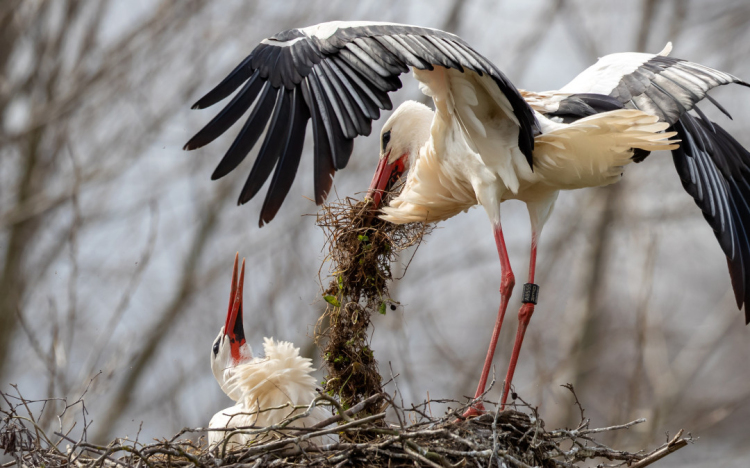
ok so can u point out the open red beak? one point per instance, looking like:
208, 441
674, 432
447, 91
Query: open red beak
385, 176
233, 328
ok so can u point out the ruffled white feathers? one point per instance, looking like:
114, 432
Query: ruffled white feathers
270, 388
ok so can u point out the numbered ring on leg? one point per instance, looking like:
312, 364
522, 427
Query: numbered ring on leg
530, 293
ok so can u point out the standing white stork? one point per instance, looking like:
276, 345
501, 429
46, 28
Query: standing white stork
266, 389
478, 146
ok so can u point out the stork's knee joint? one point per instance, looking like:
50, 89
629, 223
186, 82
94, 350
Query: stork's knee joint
507, 284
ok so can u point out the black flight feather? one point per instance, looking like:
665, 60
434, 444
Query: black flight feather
716, 176
356, 114
340, 149
336, 106
228, 85
286, 168
452, 61
228, 115
378, 54
383, 84
323, 159
372, 98
272, 147
248, 136
355, 93
718, 106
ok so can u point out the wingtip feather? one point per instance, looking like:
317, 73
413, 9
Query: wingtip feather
206, 101
191, 145
666, 50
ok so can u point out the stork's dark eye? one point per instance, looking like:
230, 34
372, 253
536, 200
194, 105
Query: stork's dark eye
386, 139
216, 347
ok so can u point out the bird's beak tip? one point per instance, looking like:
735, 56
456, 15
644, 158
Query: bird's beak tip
233, 328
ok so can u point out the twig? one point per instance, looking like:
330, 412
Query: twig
509, 438
675, 444
350, 412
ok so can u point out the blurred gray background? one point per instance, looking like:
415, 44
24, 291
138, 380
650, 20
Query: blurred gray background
116, 248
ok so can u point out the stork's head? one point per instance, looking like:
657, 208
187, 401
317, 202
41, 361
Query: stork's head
403, 134
230, 349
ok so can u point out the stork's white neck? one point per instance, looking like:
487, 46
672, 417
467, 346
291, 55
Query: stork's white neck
222, 363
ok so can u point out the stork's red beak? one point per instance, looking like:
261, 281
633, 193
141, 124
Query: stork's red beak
233, 328
385, 176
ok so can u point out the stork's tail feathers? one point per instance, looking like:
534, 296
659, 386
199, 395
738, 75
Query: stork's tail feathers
593, 151
630, 128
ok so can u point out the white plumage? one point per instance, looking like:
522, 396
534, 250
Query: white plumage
267, 390
270, 388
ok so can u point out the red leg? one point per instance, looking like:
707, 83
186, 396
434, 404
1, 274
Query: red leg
506, 288
524, 316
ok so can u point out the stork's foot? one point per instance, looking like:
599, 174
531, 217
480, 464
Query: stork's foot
474, 411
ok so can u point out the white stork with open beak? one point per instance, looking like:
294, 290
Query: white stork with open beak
482, 144
267, 389
230, 349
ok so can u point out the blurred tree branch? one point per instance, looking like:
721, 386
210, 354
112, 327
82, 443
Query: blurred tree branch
154, 337
588, 330
70, 72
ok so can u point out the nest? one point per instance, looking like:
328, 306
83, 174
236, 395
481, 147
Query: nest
509, 438
361, 249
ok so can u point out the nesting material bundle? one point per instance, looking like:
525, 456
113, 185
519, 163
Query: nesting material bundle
361, 249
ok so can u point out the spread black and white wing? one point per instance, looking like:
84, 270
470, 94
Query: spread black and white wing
656, 84
338, 75
714, 167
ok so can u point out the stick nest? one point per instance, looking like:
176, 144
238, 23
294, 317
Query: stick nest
361, 249
509, 438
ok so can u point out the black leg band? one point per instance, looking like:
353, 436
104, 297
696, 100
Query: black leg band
530, 293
